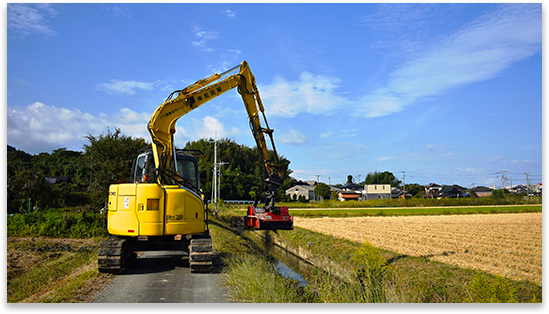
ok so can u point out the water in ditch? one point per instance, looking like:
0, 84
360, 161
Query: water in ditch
288, 265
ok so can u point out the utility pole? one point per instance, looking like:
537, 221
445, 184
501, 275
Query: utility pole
527, 184
404, 182
329, 181
358, 175
502, 179
219, 176
214, 181
216, 174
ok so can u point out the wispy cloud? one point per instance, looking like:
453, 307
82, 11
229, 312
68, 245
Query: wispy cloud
203, 38
230, 13
117, 11
478, 52
226, 60
338, 150
396, 17
26, 19
124, 87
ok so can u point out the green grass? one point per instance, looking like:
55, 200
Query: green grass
68, 293
418, 202
46, 274
252, 278
74, 223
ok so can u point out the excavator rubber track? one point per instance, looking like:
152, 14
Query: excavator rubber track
113, 255
200, 254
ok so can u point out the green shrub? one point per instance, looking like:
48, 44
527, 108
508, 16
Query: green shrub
58, 223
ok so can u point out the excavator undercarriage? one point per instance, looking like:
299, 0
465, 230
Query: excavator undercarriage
117, 252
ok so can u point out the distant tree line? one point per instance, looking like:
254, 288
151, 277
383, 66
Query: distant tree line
107, 159
242, 176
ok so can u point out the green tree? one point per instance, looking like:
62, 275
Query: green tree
241, 175
498, 194
415, 189
28, 184
111, 158
385, 177
322, 190
349, 179
26, 179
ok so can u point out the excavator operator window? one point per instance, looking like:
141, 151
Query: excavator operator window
150, 175
139, 165
188, 169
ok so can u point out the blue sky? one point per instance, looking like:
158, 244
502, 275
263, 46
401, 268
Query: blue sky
447, 93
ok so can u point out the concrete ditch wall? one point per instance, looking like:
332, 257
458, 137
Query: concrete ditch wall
319, 261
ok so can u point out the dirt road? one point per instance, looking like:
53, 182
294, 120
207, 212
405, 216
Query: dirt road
163, 277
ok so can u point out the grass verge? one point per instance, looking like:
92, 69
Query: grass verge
52, 270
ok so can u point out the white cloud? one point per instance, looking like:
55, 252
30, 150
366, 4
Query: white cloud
42, 128
478, 52
209, 126
292, 136
124, 87
311, 93
204, 37
26, 19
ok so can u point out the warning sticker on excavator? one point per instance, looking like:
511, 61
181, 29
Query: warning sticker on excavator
127, 202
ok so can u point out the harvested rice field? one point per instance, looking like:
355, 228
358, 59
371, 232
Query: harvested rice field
506, 244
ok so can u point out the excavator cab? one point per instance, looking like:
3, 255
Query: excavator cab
144, 170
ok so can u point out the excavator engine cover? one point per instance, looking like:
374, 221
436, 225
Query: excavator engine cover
277, 218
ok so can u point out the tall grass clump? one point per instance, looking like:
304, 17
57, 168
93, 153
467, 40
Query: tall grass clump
364, 284
252, 278
498, 290
370, 266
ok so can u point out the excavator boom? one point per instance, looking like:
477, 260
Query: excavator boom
162, 129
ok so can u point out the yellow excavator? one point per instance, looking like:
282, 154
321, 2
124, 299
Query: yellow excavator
163, 207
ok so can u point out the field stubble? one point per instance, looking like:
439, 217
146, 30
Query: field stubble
506, 244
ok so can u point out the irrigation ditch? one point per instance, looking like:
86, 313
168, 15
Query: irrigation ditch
295, 262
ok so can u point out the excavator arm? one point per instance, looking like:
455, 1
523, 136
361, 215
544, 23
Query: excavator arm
162, 126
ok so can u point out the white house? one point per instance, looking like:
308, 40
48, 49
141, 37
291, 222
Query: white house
305, 190
376, 192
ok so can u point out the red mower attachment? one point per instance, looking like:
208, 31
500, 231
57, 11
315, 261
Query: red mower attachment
277, 218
